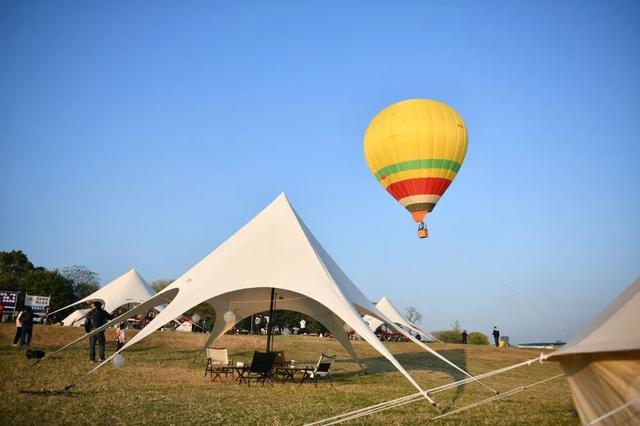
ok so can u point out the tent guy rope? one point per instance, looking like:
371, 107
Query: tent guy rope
417, 396
496, 397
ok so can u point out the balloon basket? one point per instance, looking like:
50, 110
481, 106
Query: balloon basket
423, 233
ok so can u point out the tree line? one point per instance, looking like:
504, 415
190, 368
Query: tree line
65, 285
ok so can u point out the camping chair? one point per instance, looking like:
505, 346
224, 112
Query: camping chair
261, 368
217, 363
322, 370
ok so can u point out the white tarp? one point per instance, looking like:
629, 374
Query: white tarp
127, 289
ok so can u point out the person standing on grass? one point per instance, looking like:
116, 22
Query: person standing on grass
120, 336
496, 336
464, 337
16, 339
96, 318
27, 326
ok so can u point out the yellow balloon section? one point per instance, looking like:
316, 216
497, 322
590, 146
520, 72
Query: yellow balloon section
414, 148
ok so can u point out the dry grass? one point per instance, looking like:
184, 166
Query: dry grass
162, 383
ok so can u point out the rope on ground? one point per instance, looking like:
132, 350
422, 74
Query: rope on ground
614, 411
496, 397
47, 392
417, 396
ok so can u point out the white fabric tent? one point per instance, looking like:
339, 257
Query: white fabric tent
385, 306
76, 318
602, 363
127, 289
274, 250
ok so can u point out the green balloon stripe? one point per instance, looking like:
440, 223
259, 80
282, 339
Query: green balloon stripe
421, 207
425, 163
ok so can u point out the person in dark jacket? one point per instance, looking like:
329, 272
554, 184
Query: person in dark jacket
96, 318
27, 326
464, 337
496, 336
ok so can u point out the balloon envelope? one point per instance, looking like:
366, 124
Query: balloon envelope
415, 148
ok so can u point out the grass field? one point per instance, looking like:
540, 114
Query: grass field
162, 382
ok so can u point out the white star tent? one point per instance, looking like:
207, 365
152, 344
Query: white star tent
385, 306
128, 289
602, 363
274, 250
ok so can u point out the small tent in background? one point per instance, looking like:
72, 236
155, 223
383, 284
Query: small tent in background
127, 289
602, 363
385, 306
76, 318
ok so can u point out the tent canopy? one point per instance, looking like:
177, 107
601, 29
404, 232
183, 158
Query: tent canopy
616, 328
128, 288
274, 250
385, 306
76, 318
602, 363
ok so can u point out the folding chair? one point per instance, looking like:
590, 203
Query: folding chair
217, 363
261, 368
321, 371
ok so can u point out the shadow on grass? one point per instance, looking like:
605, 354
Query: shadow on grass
421, 361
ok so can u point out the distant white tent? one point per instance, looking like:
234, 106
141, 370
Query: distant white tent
274, 250
76, 318
602, 363
385, 306
127, 289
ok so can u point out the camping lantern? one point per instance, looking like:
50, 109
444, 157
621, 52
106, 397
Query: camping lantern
117, 361
229, 317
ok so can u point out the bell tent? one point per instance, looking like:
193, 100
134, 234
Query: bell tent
602, 363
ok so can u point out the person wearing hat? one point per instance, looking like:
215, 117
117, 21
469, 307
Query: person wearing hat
96, 318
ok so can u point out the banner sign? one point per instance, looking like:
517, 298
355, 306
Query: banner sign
37, 303
8, 299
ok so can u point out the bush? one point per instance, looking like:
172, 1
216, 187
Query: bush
454, 336
477, 338
448, 336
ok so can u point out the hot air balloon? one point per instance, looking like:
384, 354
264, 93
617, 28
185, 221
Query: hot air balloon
414, 148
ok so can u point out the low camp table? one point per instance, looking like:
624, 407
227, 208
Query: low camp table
290, 372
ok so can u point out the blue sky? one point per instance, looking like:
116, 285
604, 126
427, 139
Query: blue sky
144, 134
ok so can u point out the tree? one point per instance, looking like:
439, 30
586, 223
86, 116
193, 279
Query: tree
477, 338
48, 283
456, 326
13, 265
413, 315
159, 285
85, 281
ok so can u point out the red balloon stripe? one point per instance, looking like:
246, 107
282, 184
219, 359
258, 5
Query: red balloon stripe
419, 186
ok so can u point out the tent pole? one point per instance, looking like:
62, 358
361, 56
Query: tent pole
270, 324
